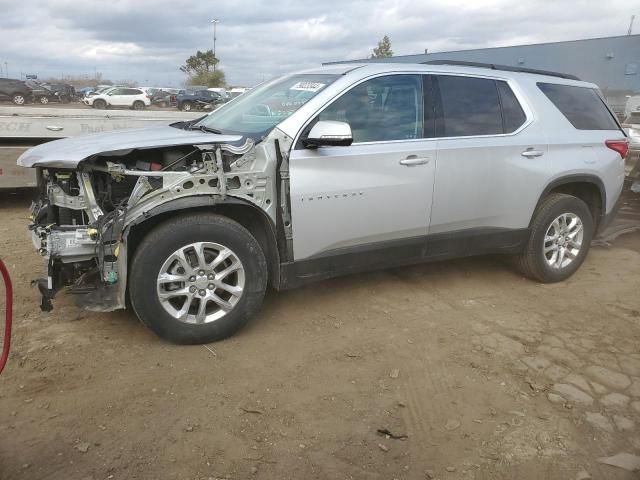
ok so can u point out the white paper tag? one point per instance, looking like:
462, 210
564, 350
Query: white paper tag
308, 86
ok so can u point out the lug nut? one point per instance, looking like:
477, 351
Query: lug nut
201, 272
211, 276
211, 286
202, 293
192, 289
192, 279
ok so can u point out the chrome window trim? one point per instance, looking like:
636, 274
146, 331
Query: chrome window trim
528, 111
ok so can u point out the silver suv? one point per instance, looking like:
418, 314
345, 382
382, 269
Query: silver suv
320, 173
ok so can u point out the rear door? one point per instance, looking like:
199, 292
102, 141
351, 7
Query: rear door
491, 165
374, 197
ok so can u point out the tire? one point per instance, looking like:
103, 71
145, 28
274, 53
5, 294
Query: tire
99, 104
44, 100
154, 256
138, 105
18, 99
186, 106
556, 212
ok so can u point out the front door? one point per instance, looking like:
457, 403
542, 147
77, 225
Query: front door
371, 199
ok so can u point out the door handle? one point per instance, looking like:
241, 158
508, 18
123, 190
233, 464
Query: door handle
54, 128
413, 160
531, 153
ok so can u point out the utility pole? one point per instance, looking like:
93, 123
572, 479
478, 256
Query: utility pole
633, 17
215, 22
6, 69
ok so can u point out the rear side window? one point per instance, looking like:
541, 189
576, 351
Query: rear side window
582, 106
469, 106
512, 114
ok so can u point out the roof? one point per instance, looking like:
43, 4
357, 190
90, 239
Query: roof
368, 69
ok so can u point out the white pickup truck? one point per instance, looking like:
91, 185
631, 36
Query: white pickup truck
24, 127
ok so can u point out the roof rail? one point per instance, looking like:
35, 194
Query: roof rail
506, 68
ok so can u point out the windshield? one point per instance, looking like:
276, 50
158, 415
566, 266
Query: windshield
255, 113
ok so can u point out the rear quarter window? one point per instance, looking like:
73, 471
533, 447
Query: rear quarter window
512, 114
582, 106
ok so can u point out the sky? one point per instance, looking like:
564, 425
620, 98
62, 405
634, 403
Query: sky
146, 41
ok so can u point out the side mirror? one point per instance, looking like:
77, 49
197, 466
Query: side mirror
328, 133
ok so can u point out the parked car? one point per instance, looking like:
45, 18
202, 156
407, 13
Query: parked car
161, 98
83, 92
632, 105
224, 94
198, 100
237, 91
631, 126
133, 98
41, 92
382, 165
64, 93
16, 91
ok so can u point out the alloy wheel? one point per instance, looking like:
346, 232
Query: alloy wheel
200, 282
563, 240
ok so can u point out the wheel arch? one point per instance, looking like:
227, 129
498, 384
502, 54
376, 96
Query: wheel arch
588, 188
245, 213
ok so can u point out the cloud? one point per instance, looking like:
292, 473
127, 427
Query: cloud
148, 40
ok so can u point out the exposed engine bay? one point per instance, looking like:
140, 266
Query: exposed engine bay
82, 217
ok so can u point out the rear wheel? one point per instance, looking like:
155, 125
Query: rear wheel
100, 104
18, 99
138, 105
186, 106
197, 278
560, 238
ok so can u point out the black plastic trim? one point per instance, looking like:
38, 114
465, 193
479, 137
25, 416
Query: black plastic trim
578, 178
406, 251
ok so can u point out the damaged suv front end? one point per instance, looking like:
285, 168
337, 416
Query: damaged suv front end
83, 215
94, 191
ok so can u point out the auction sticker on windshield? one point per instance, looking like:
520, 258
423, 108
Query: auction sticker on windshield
307, 86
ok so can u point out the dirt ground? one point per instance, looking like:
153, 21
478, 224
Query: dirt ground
488, 375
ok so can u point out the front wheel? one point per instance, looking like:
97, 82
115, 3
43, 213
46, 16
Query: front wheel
560, 238
100, 104
197, 278
44, 100
186, 106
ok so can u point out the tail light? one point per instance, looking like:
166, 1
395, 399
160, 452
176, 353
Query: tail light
621, 146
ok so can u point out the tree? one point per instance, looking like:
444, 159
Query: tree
384, 48
200, 69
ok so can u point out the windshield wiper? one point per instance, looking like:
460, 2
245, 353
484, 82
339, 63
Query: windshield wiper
204, 128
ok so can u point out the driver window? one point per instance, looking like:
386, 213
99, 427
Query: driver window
381, 109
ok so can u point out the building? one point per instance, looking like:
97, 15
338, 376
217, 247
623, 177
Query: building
613, 63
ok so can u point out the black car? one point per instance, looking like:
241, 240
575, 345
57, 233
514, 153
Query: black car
14, 90
161, 98
65, 93
198, 100
41, 92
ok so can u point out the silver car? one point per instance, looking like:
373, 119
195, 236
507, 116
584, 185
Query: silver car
631, 126
325, 172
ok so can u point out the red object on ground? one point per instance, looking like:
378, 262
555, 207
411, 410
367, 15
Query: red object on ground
8, 315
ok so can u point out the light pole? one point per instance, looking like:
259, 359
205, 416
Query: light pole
6, 69
215, 22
